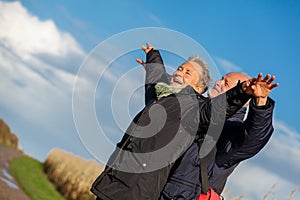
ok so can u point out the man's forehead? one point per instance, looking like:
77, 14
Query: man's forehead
190, 65
234, 77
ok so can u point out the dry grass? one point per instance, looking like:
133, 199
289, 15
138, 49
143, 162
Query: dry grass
269, 195
72, 175
293, 193
270, 191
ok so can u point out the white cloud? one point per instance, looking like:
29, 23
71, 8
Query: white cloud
253, 182
26, 34
37, 91
226, 65
289, 134
278, 163
155, 19
29, 83
283, 152
26, 88
33, 90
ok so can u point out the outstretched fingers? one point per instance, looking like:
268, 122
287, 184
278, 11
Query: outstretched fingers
140, 61
147, 48
258, 79
260, 86
274, 86
149, 45
144, 48
266, 78
271, 79
266, 82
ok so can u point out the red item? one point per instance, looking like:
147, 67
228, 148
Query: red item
210, 195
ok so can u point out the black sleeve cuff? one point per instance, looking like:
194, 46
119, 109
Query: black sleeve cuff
270, 103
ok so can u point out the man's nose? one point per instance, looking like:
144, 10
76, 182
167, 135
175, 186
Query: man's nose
218, 83
179, 73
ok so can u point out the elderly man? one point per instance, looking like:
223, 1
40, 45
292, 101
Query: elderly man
175, 114
239, 140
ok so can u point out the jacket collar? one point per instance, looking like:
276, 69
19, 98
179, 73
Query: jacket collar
189, 90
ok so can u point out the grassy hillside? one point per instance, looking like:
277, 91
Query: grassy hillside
29, 174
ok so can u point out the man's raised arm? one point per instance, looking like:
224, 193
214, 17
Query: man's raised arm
155, 72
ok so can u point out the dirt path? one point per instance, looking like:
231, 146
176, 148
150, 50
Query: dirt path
9, 189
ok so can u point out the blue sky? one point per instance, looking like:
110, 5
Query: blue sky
44, 43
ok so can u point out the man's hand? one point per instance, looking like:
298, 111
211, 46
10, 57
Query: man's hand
263, 87
146, 50
260, 88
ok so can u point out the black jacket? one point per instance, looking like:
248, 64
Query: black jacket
239, 141
157, 137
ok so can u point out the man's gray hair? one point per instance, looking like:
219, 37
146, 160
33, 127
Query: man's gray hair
205, 79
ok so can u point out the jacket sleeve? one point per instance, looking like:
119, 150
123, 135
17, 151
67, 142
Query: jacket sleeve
212, 113
251, 136
155, 72
217, 109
